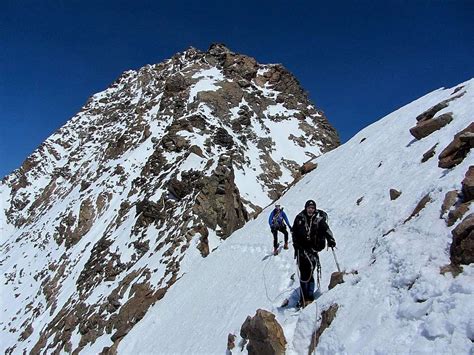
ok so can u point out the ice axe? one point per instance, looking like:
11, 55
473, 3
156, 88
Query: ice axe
335, 259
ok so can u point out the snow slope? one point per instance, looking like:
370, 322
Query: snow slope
397, 303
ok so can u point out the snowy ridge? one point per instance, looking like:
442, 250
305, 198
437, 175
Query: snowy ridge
398, 302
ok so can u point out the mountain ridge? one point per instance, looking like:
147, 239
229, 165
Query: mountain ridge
403, 291
152, 173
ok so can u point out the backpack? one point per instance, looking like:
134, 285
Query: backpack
320, 237
277, 219
318, 243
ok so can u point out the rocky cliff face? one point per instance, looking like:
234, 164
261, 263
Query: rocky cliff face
145, 180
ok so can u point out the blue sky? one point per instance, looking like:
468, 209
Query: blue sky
359, 60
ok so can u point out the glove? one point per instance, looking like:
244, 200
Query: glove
296, 250
331, 243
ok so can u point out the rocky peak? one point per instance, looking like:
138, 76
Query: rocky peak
218, 49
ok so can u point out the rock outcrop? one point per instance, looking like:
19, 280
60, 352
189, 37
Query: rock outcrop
462, 247
264, 334
426, 127
420, 205
394, 194
427, 123
457, 150
327, 317
468, 185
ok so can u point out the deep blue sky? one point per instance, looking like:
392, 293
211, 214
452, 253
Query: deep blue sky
358, 60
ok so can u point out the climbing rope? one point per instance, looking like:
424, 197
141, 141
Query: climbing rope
265, 284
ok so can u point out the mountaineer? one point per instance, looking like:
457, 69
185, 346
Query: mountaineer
277, 220
310, 232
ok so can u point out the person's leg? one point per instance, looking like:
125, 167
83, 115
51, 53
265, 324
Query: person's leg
305, 275
285, 234
275, 238
310, 289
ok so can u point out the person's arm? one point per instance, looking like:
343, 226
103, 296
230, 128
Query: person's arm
295, 234
328, 234
270, 219
286, 220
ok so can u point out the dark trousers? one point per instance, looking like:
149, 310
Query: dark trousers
275, 231
307, 264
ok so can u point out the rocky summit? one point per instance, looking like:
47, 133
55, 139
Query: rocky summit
146, 180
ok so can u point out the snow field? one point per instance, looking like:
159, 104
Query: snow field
398, 302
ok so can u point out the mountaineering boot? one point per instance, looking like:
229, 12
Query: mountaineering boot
275, 251
285, 246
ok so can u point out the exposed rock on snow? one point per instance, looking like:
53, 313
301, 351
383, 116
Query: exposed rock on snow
421, 204
307, 167
394, 194
336, 279
426, 127
449, 200
264, 334
458, 149
462, 248
327, 317
429, 154
468, 185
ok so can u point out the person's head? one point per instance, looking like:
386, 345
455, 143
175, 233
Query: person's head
310, 207
277, 206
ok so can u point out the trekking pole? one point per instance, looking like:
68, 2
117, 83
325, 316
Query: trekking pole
335, 259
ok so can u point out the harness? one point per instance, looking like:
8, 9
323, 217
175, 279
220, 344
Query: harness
308, 227
275, 219
317, 266
313, 253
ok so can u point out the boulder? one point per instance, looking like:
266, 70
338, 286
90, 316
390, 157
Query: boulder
426, 127
307, 167
429, 114
449, 201
457, 214
468, 185
457, 150
429, 154
419, 206
176, 83
394, 194
230, 341
148, 212
462, 247
179, 188
196, 150
336, 279
327, 317
223, 138
264, 334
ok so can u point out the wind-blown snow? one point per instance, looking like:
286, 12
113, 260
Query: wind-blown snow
207, 82
397, 303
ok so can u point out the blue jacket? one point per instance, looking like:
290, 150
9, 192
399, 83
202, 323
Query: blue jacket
278, 218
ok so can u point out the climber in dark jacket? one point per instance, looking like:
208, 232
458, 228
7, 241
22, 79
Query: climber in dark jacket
277, 220
310, 232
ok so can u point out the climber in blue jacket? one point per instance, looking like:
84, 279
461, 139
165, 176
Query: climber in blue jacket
277, 220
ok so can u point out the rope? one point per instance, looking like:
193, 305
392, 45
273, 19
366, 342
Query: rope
318, 271
265, 285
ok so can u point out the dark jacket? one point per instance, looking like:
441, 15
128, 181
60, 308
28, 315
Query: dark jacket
276, 218
311, 233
